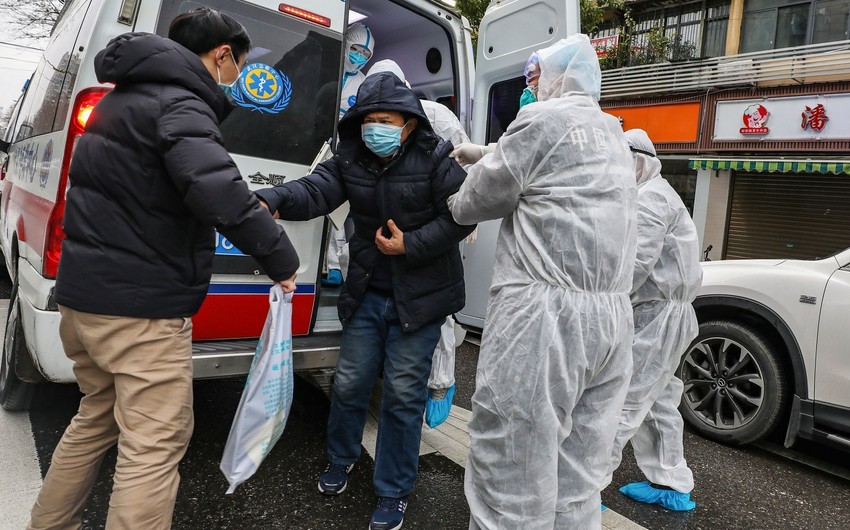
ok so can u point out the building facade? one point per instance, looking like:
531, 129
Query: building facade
756, 140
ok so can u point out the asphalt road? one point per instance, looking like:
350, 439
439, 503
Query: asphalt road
283, 493
747, 488
750, 487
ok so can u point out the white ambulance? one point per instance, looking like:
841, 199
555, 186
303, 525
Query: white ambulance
273, 135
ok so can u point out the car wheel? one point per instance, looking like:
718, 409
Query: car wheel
15, 394
735, 387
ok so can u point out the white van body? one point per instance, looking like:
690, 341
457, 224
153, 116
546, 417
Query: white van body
273, 137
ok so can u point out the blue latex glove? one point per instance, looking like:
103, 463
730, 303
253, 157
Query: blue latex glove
334, 278
672, 500
436, 411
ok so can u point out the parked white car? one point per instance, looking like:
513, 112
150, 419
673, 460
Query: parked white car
773, 347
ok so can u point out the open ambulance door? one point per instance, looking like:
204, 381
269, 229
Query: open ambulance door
285, 108
508, 34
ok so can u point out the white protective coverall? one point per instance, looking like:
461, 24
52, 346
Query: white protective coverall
555, 355
352, 78
667, 277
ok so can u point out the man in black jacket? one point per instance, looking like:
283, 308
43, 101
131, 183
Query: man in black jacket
405, 276
149, 180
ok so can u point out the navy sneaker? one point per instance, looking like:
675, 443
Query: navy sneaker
334, 478
389, 513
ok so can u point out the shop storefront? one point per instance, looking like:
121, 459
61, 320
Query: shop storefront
674, 129
779, 183
784, 208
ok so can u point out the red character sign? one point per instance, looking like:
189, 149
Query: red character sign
815, 118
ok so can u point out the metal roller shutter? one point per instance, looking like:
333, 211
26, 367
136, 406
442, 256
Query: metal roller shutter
788, 215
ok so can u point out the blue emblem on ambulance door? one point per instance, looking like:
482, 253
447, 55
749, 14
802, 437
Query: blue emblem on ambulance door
263, 88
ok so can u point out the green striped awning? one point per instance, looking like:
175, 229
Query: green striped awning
773, 166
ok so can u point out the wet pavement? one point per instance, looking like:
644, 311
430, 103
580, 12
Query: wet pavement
283, 493
746, 488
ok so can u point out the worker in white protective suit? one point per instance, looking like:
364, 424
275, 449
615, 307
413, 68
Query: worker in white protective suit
667, 276
555, 357
468, 153
360, 46
441, 382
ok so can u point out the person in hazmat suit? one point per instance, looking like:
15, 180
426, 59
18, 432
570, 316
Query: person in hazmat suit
667, 276
468, 153
555, 358
360, 46
441, 383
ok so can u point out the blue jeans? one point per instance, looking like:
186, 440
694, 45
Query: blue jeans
373, 339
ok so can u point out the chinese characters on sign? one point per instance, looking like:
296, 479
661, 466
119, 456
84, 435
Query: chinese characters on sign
815, 118
776, 119
603, 45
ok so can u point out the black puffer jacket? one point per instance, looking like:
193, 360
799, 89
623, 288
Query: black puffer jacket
150, 179
411, 190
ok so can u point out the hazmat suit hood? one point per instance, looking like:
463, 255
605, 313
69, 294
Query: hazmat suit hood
647, 165
388, 65
357, 34
569, 66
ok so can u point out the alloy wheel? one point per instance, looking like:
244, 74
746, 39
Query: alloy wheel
724, 384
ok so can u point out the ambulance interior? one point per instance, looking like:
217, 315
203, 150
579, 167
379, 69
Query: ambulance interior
422, 46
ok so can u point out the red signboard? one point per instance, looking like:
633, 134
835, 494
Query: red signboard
603, 45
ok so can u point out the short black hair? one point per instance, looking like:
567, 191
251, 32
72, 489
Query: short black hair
203, 29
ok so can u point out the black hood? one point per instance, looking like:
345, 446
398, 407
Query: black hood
145, 58
382, 91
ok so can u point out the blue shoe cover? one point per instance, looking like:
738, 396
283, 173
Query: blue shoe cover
436, 411
672, 500
334, 278
604, 507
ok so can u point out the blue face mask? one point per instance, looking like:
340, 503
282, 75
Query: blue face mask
357, 59
527, 97
382, 139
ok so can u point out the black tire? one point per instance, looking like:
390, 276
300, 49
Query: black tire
736, 391
15, 395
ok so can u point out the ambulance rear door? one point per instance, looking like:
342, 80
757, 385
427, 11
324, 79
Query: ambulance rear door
285, 110
509, 32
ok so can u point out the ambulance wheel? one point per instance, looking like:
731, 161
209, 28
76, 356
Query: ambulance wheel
15, 395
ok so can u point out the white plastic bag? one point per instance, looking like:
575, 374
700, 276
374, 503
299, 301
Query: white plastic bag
443, 363
264, 407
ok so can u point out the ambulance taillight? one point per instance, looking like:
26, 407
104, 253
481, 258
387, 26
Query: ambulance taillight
80, 115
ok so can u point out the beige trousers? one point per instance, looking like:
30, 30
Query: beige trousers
136, 375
